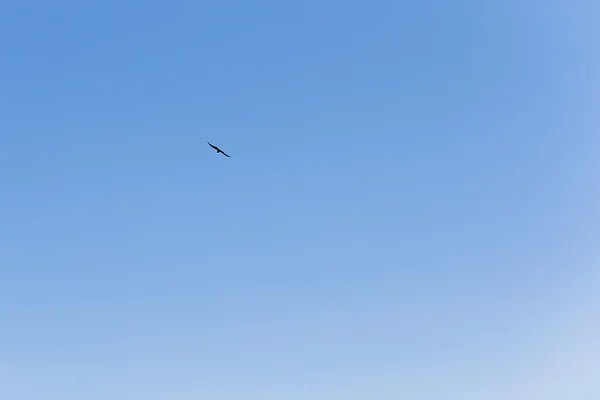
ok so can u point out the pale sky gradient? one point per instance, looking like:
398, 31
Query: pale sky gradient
410, 210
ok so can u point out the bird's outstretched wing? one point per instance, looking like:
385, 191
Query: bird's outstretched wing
214, 147
225, 154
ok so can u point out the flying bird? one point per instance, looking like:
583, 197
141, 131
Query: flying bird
218, 150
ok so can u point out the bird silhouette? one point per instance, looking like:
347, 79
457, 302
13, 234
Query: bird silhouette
218, 150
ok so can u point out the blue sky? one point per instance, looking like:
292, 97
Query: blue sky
410, 210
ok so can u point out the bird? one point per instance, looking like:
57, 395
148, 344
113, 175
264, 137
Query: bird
218, 150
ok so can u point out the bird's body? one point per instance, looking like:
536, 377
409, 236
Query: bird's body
218, 150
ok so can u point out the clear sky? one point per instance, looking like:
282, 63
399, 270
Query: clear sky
410, 210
